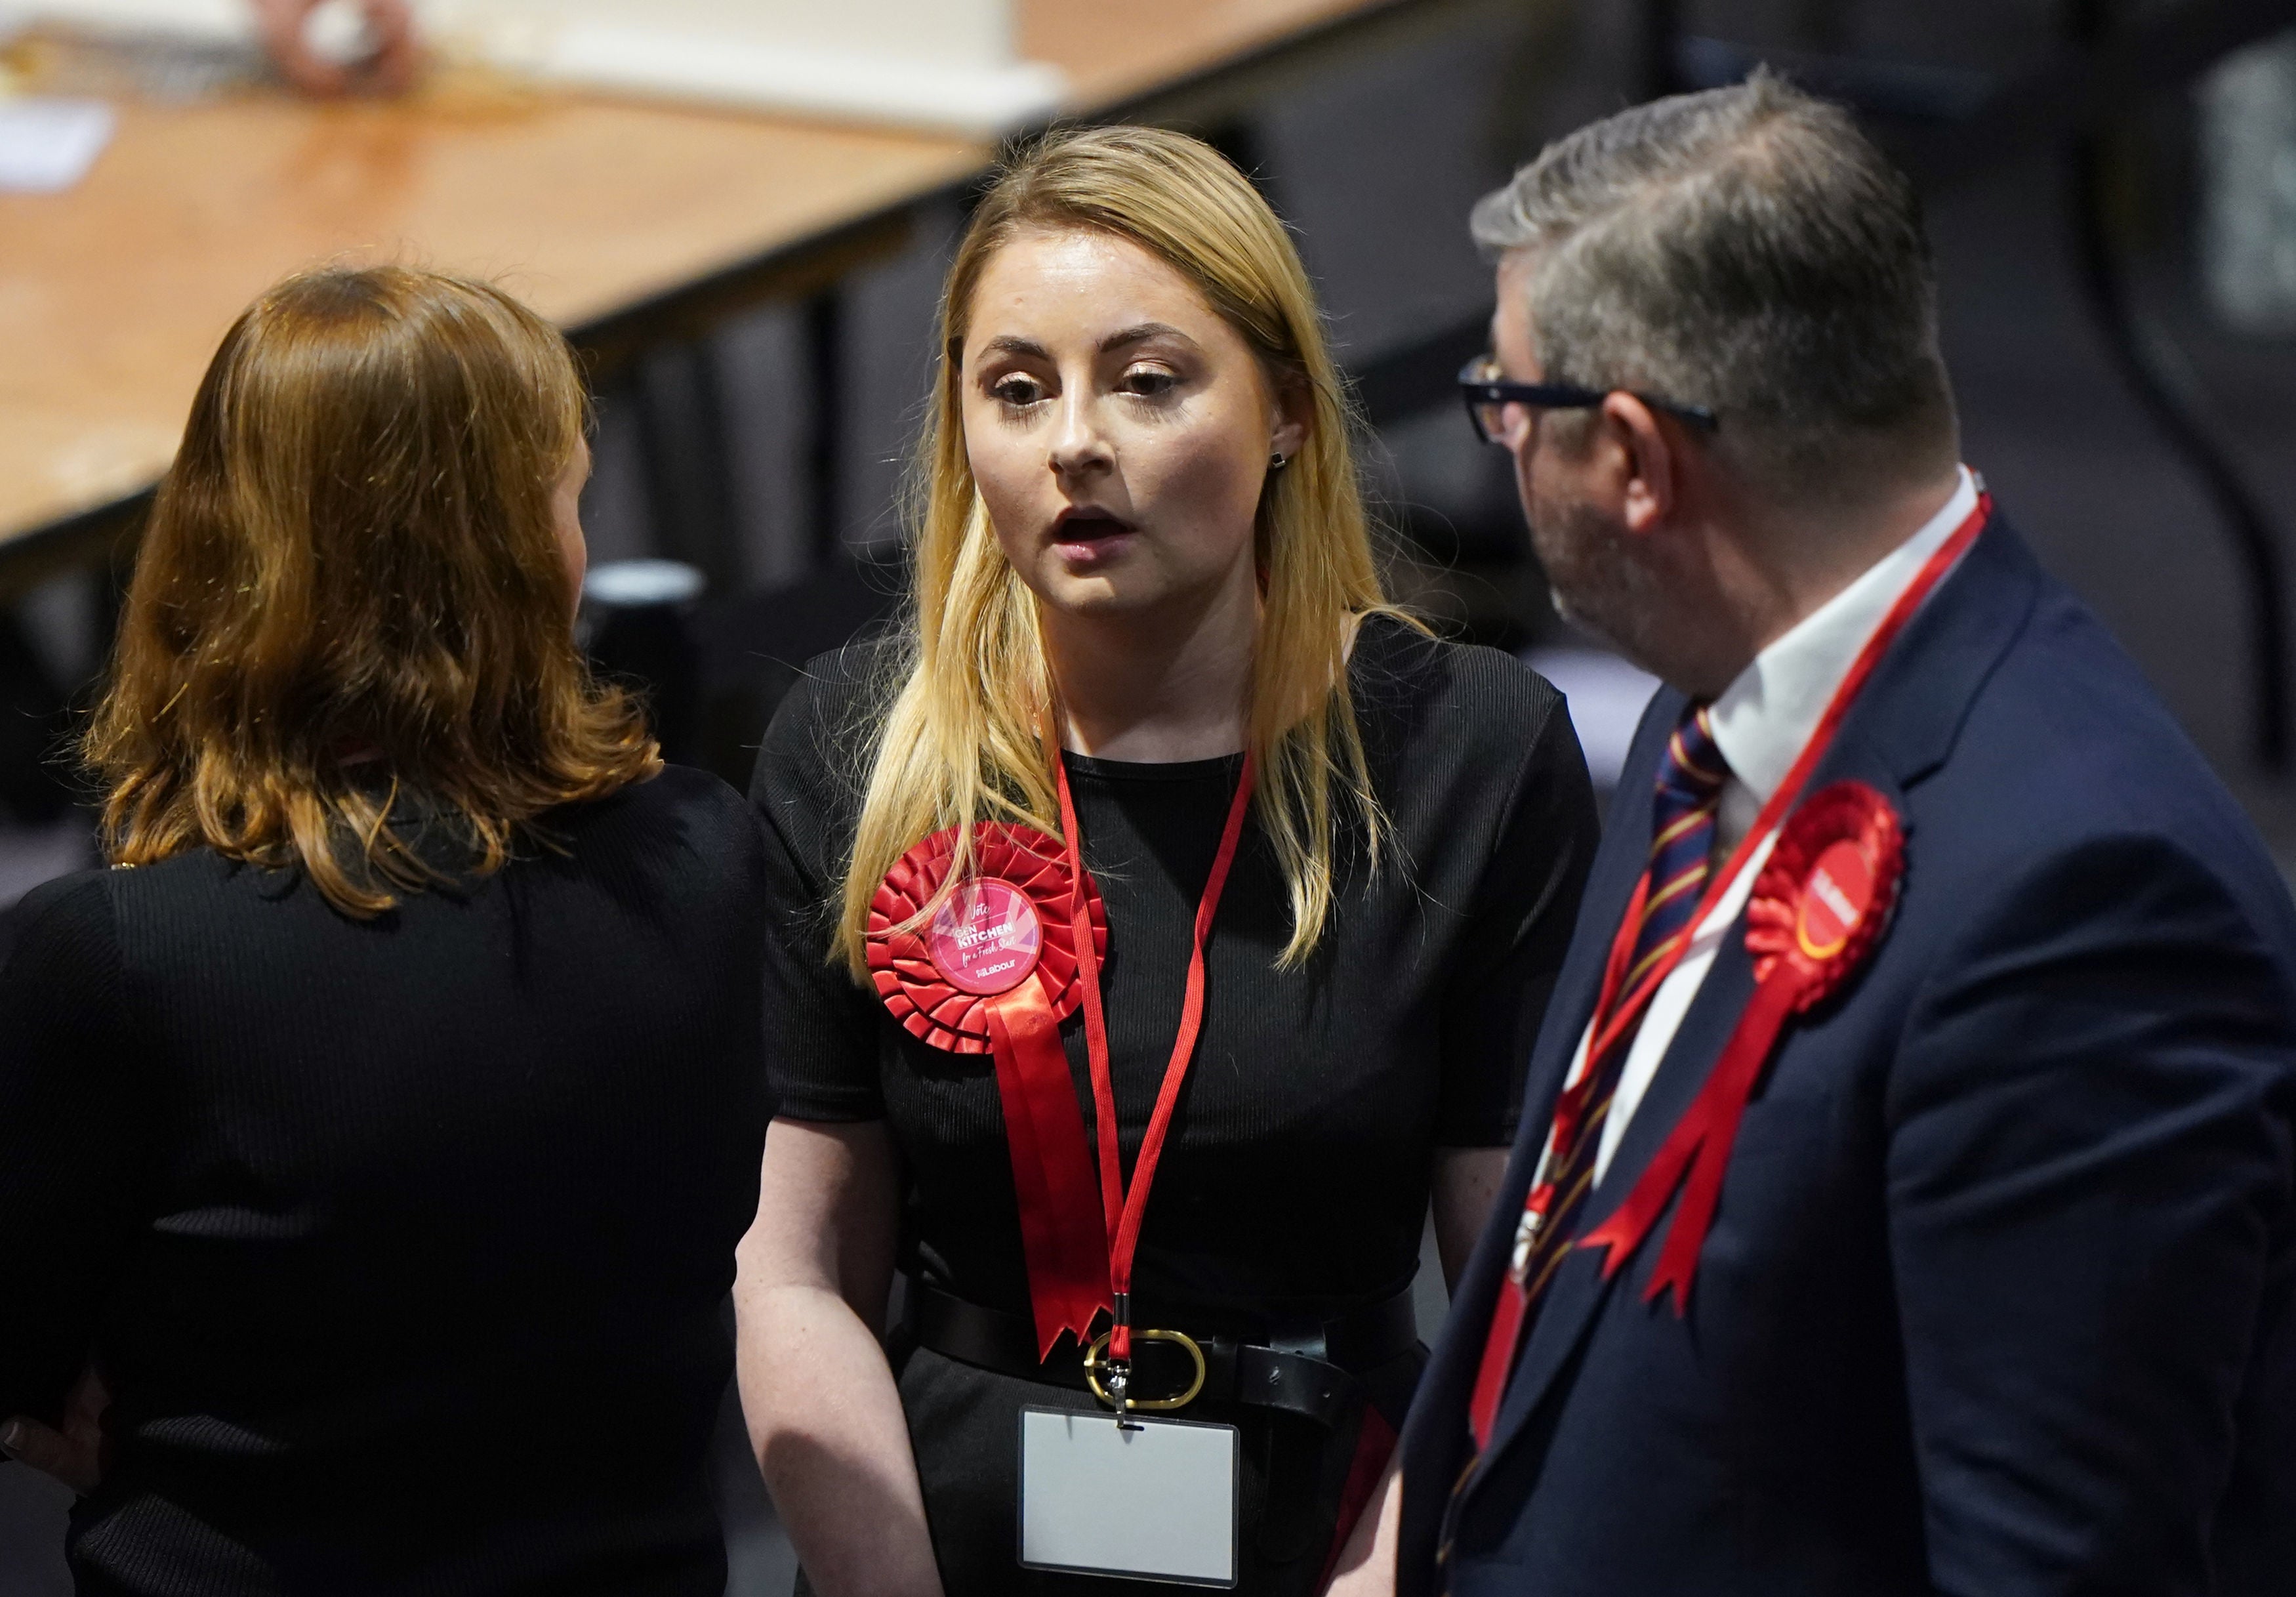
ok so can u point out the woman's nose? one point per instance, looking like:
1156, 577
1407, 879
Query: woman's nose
1079, 448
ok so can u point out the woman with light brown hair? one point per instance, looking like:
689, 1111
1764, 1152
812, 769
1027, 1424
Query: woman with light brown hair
386, 1114
1163, 918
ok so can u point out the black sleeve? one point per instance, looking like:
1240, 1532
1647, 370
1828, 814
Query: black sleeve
74, 1134
2089, 1154
1517, 929
821, 1025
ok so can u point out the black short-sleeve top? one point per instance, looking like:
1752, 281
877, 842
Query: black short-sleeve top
400, 1242
1295, 1177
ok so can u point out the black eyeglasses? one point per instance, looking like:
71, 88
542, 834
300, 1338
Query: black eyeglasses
1488, 395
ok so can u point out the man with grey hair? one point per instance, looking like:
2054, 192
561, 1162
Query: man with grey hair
1905, 1200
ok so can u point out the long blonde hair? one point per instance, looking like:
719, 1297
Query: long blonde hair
968, 734
351, 590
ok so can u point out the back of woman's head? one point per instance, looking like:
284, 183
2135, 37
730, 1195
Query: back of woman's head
354, 594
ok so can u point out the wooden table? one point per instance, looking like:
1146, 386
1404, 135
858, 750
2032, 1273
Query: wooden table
624, 222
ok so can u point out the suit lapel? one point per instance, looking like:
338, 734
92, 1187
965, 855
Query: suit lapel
1610, 884
1579, 1290
1900, 729
1618, 866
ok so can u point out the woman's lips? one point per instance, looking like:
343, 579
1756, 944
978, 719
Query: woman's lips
1089, 536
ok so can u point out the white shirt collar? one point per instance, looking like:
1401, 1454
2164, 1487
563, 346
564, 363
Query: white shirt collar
1770, 709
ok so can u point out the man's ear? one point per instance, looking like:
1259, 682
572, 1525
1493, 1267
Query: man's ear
1649, 461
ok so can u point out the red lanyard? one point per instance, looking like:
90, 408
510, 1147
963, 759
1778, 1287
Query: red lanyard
1610, 1024
1615, 1016
1124, 1208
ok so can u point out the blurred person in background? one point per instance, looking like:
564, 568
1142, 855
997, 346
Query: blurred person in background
383, 61
384, 1121
1905, 1200
1222, 786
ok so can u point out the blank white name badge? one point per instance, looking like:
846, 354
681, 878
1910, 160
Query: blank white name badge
1153, 1501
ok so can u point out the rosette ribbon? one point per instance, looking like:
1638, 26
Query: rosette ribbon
994, 971
1818, 909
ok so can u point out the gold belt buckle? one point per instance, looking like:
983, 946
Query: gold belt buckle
1093, 1360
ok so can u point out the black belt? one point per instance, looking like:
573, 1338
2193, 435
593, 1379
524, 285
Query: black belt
1315, 1374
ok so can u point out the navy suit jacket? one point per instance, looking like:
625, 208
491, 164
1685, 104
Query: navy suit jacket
2001, 1296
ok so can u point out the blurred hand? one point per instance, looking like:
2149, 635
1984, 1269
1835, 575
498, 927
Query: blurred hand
74, 1455
1365, 1580
1366, 1564
389, 68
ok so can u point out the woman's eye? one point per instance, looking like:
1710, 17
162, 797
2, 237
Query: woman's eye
1148, 381
1016, 391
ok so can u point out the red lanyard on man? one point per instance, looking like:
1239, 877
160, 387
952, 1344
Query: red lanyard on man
1617, 1014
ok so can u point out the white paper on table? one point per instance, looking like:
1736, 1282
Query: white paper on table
934, 63
216, 20
48, 145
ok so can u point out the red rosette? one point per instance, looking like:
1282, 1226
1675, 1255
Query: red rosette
1826, 893
916, 992
1821, 904
992, 970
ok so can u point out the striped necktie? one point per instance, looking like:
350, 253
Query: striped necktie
1690, 781
1681, 842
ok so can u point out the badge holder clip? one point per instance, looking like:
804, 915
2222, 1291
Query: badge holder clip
1109, 1372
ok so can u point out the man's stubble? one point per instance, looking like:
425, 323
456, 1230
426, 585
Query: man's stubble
1594, 581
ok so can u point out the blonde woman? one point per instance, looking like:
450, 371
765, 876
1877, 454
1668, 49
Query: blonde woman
1283, 881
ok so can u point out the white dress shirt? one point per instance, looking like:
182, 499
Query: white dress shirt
1761, 722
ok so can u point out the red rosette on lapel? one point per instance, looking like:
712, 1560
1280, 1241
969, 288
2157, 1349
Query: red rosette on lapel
1819, 910
1826, 895
993, 971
